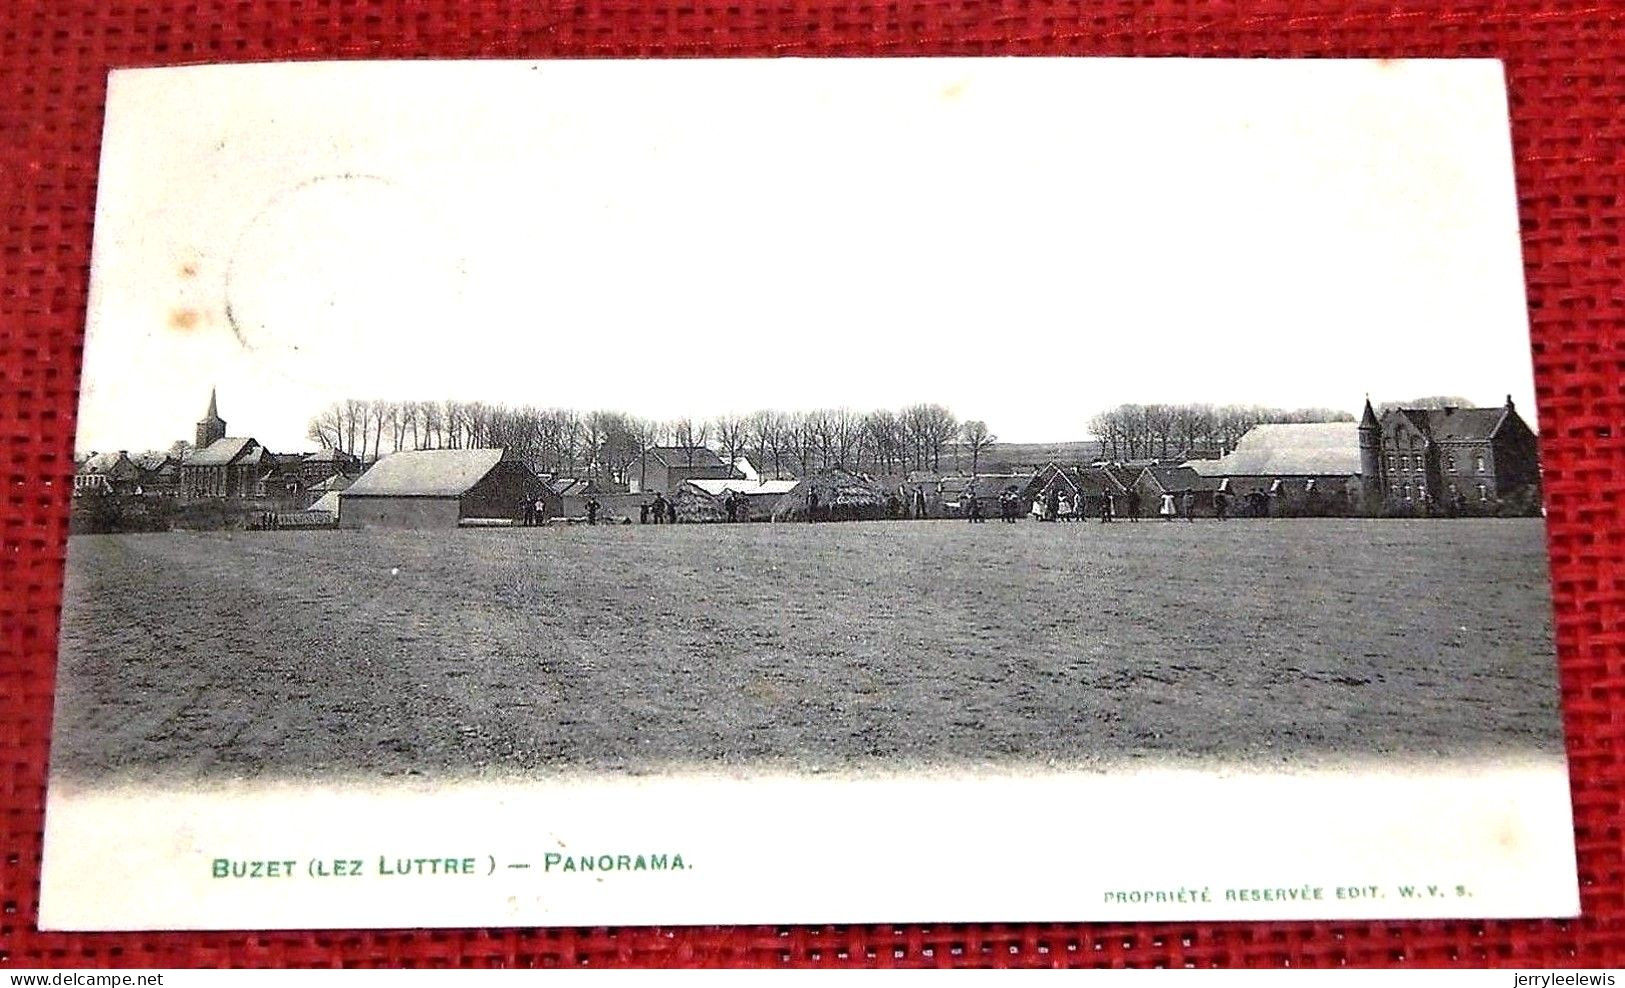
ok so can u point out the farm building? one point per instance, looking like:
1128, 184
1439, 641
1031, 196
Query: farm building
1297, 468
1425, 455
1154, 482
665, 468
328, 503
317, 467
1092, 485
160, 475
840, 495
337, 482
107, 473
705, 500
439, 488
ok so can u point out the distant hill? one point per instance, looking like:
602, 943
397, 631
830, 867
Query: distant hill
1004, 457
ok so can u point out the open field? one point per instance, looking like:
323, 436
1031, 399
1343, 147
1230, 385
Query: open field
802, 647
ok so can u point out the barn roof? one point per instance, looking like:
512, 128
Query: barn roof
426, 473
336, 482
718, 488
1307, 449
1180, 478
328, 455
227, 449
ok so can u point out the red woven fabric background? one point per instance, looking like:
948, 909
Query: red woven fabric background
1563, 63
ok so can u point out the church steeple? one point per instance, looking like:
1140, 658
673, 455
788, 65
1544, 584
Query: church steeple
211, 426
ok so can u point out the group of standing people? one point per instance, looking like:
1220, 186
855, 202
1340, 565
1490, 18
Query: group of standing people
659, 511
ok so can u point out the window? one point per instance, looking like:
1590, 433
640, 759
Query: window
1405, 491
1390, 460
1450, 462
1478, 463
1309, 485
1483, 493
1422, 491
1275, 486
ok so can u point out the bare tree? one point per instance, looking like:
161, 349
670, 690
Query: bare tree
732, 435
976, 437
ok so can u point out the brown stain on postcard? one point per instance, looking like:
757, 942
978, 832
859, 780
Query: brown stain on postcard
185, 320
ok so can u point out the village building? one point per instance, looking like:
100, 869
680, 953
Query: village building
223, 466
1297, 468
1090, 485
665, 468
107, 473
1154, 482
1449, 455
160, 475
227, 467
440, 488
318, 466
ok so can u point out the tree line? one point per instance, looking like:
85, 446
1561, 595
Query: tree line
1163, 431
607, 444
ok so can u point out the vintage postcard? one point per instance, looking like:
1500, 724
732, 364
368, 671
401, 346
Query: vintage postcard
623, 492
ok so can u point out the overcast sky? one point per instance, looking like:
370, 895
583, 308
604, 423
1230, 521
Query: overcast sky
1027, 241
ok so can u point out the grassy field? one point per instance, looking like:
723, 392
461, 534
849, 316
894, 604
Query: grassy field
217, 655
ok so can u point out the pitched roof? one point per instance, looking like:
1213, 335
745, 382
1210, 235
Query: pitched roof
686, 456
573, 486
227, 449
336, 482
328, 502
426, 473
719, 488
1455, 423
1172, 478
1308, 449
100, 462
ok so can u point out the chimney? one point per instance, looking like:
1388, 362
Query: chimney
1509, 401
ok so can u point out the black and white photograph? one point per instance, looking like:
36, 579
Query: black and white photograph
844, 490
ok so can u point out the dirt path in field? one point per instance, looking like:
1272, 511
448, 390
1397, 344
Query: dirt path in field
802, 647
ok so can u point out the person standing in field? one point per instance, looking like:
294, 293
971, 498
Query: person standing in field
1108, 507
812, 505
1052, 505
1167, 508
919, 505
1187, 504
671, 511
659, 509
1133, 504
643, 513
592, 511
1221, 504
1066, 508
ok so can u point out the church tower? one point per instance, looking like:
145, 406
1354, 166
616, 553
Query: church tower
211, 426
1371, 485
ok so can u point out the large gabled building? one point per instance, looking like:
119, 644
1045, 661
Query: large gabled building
440, 488
666, 468
1290, 468
1449, 455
